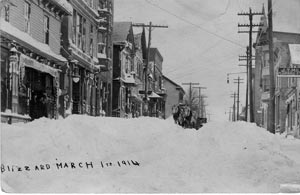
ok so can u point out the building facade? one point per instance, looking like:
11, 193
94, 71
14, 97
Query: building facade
285, 88
87, 45
175, 94
123, 69
31, 64
158, 94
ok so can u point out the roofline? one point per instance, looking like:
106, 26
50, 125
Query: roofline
157, 51
177, 86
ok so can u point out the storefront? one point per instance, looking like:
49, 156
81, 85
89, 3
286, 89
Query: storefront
30, 88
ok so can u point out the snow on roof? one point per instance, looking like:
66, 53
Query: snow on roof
6, 27
129, 79
154, 95
65, 4
295, 53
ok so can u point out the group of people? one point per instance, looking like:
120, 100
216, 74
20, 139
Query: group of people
184, 116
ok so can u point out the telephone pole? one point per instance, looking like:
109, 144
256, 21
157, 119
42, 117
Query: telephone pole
246, 58
148, 52
200, 99
238, 97
229, 113
190, 84
251, 25
233, 112
271, 126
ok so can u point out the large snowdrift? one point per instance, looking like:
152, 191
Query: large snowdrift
88, 154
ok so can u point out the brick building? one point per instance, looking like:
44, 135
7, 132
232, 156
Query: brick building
31, 63
284, 89
158, 94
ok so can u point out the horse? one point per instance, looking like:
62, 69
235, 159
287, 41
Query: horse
176, 113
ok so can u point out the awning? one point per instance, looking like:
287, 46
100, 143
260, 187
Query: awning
32, 63
154, 95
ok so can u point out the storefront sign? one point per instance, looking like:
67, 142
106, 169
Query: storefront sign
288, 72
31, 63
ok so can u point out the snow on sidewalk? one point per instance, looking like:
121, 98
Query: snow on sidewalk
144, 155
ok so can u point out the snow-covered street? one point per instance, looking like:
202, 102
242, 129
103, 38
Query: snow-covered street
89, 154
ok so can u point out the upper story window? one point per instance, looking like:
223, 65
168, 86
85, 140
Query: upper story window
6, 10
102, 4
266, 59
46, 29
74, 34
79, 30
83, 48
27, 12
91, 49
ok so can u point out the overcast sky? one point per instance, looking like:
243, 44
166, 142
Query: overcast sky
202, 44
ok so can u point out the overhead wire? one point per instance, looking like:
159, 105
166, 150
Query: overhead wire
193, 24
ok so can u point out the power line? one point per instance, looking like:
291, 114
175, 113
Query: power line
197, 26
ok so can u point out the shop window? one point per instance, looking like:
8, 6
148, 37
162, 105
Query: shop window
27, 12
4, 80
46, 29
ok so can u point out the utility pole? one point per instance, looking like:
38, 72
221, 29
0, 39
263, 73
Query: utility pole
229, 113
148, 52
199, 88
190, 84
251, 25
238, 97
233, 113
242, 58
271, 126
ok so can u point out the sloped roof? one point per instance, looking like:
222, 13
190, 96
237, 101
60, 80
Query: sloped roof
154, 51
177, 86
121, 31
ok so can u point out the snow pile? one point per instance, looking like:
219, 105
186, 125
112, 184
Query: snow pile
142, 155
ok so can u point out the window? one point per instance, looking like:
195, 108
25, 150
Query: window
101, 4
79, 30
6, 10
266, 83
27, 11
83, 48
91, 48
46, 29
91, 52
266, 62
74, 27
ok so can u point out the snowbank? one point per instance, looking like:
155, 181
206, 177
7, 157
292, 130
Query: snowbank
142, 155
